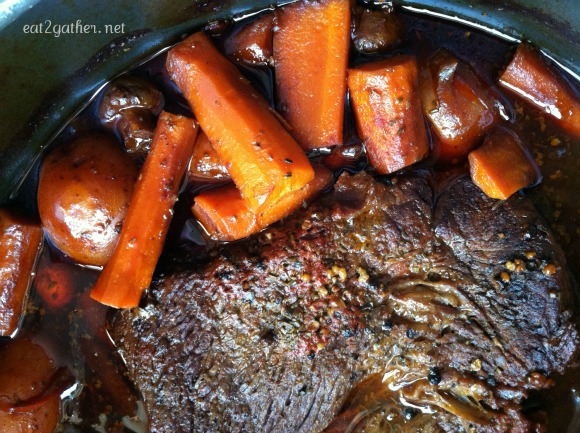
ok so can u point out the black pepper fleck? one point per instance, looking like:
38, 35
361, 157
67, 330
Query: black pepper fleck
434, 376
409, 413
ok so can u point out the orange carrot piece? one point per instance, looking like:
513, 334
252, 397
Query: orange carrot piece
262, 158
292, 201
226, 217
129, 271
205, 162
19, 245
529, 77
387, 109
224, 214
458, 105
311, 45
252, 44
502, 165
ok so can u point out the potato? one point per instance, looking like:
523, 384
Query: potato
41, 418
84, 191
25, 372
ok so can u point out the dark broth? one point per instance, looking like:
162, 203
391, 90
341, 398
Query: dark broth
104, 398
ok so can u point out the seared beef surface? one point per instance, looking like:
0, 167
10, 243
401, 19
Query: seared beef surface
438, 306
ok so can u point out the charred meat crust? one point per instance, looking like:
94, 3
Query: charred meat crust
376, 279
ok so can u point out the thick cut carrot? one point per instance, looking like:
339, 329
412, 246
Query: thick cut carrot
263, 159
529, 77
387, 109
458, 105
130, 269
19, 245
252, 44
225, 215
311, 44
205, 162
502, 165
291, 202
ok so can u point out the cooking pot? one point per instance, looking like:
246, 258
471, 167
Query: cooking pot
55, 55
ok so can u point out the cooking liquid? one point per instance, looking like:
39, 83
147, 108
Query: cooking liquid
104, 400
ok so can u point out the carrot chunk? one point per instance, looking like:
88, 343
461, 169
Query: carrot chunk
502, 165
387, 110
529, 77
19, 245
310, 58
224, 214
226, 217
131, 267
205, 162
252, 44
459, 106
263, 159
291, 202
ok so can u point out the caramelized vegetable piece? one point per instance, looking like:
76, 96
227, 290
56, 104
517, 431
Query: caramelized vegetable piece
41, 418
19, 245
130, 105
205, 162
83, 195
310, 56
352, 156
136, 127
291, 202
376, 31
54, 284
387, 109
26, 373
226, 216
129, 271
25, 370
252, 44
262, 158
502, 165
529, 77
458, 105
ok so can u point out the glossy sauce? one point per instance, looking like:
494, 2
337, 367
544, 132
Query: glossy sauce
104, 399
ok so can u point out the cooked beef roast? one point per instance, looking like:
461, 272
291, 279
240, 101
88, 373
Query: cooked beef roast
434, 308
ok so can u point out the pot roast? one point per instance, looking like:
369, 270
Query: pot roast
386, 302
